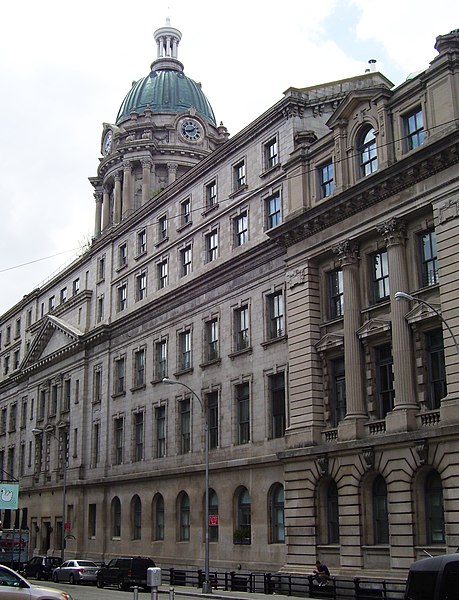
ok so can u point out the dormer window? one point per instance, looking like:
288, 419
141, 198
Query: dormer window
368, 156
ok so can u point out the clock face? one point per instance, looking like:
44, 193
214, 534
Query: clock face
107, 143
191, 130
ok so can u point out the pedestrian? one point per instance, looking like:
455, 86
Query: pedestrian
321, 573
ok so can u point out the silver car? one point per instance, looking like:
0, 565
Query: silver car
14, 587
76, 571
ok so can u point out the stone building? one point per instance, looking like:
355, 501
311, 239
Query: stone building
259, 273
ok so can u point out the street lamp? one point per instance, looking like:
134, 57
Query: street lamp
206, 586
38, 431
404, 296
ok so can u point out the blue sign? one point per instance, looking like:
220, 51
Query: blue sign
9, 493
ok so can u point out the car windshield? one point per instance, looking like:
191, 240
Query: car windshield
86, 563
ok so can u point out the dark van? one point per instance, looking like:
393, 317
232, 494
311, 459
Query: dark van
125, 572
435, 578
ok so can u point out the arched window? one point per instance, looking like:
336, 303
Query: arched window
332, 514
435, 521
184, 533
213, 516
158, 517
380, 514
116, 517
136, 517
242, 534
277, 514
368, 156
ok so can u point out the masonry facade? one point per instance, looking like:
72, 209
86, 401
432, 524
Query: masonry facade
259, 272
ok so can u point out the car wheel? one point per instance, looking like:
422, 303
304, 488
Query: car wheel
72, 579
55, 578
121, 584
100, 582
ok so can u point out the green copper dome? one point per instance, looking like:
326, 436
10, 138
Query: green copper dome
166, 91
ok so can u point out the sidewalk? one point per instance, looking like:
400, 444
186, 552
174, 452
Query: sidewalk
218, 594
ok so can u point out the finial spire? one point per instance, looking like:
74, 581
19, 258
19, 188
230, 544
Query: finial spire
167, 39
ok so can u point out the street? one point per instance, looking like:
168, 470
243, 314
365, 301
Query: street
91, 592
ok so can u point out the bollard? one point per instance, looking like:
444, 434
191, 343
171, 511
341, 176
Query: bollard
154, 580
171, 593
136, 592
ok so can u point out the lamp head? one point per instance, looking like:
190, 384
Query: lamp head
403, 296
169, 381
37, 431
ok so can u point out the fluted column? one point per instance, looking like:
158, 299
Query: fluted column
127, 176
105, 209
98, 215
347, 252
394, 234
172, 172
146, 183
118, 199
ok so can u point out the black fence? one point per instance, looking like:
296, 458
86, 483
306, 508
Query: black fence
338, 588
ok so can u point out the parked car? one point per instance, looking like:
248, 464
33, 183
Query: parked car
76, 571
434, 578
125, 572
12, 584
41, 567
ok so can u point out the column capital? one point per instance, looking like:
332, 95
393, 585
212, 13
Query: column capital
172, 167
347, 252
118, 176
393, 231
98, 196
146, 163
127, 165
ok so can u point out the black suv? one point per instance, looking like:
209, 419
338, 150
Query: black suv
41, 567
125, 572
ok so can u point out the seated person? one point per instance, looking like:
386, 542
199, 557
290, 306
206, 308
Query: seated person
321, 573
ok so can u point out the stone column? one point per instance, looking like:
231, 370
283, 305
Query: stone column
146, 183
98, 216
118, 199
127, 187
356, 412
172, 172
405, 401
105, 209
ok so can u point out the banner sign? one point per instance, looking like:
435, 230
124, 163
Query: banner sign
9, 493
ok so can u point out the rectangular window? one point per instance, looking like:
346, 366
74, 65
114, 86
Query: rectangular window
243, 413
185, 434
141, 242
66, 395
271, 154
185, 261
42, 405
95, 444
98, 385
384, 380
326, 176
380, 276
101, 268
141, 286
241, 328
161, 360
122, 297
120, 376
17, 329
3, 420
414, 129
6, 364
273, 211
338, 391
211, 246
24, 412
119, 441
211, 330
185, 212
8, 332
241, 229
76, 286
63, 295
92, 508
275, 315
28, 319
276, 385
335, 294
13, 417
211, 194
185, 350
51, 304
162, 274
100, 309
212, 415
122, 256
139, 368
429, 262
54, 397
162, 228
436, 373
138, 436
239, 175
16, 360
160, 420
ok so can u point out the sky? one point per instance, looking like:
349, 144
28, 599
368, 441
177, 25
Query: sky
66, 65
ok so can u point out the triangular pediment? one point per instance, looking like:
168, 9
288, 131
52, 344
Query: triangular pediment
329, 341
54, 337
420, 312
356, 101
373, 327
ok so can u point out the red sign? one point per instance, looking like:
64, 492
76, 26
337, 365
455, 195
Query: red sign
67, 526
213, 520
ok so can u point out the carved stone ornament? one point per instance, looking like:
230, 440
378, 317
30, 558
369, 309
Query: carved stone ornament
393, 231
296, 277
347, 252
448, 211
322, 464
422, 449
369, 458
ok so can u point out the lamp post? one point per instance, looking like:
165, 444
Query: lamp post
38, 431
206, 586
404, 296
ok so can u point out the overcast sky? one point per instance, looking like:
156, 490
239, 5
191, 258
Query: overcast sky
66, 66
